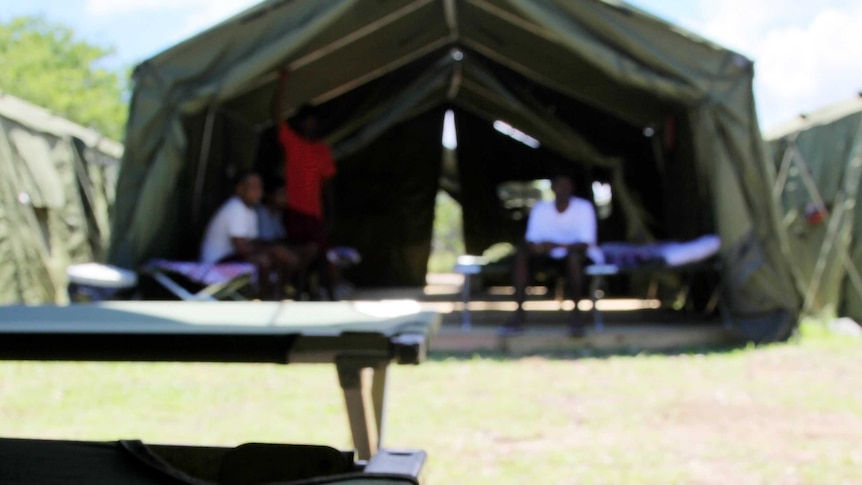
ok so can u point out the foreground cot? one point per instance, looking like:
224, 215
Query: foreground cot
355, 337
132, 462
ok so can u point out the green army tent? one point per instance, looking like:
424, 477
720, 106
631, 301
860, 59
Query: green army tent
818, 157
610, 92
56, 186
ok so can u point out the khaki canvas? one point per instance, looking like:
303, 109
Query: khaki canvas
56, 190
612, 93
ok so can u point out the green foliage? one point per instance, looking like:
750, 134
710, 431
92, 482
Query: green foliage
48, 65
448, 242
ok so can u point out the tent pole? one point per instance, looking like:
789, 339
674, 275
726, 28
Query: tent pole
451, 18
455, 82
809, 182
852, 271
343, 41
203, 161
825, 250
855, 277
784, 171
512, 19
658, 153
829, 241
451, 14
536, 75
379, 72
358, 34
795, 157
852, 191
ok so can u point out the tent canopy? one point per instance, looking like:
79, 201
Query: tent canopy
588, 79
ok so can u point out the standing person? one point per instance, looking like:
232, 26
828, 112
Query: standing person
560, 233
232, 236
308, 172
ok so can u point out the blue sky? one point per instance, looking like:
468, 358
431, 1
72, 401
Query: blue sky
807, 54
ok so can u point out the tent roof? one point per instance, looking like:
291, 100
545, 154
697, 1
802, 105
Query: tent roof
42, 120
603, 53
821, 116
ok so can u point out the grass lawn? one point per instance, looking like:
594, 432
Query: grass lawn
782, 414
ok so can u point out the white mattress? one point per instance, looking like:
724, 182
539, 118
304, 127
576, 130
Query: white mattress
666, 253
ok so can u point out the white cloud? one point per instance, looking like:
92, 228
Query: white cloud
737, 24
186, 17
807, 54
107, 8
198, 14
210, 14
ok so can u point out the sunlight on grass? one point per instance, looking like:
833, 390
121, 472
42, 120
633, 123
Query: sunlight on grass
788, 413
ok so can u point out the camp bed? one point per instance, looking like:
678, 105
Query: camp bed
193, 281
360, 339
186, 280
684, 258
212, 281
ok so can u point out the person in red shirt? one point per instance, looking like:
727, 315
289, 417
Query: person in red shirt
308, 170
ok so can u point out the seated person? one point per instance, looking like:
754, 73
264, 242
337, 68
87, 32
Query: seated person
232, 236
270, 221
270, 215
560, 233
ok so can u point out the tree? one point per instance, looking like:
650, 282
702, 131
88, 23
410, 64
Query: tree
48, 65
447, 243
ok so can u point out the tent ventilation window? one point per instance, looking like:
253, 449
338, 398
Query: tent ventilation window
450, 134
516, 134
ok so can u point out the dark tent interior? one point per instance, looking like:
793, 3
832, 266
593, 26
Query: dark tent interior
385, 191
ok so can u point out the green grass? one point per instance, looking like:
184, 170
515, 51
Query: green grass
781, 414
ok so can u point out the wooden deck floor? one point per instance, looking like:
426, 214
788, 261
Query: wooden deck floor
629, 325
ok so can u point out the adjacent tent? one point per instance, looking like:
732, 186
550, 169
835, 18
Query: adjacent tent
56, 187
818, 158
612, 93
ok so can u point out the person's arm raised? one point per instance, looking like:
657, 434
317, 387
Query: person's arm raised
281, 85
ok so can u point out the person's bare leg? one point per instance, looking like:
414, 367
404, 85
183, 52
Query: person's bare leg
521, 274
264, 266
307, 253
331, 278
574, 275
287, 261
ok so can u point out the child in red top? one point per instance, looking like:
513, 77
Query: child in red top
308, 168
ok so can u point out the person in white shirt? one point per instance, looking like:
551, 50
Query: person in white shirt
232, 236
562, 233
